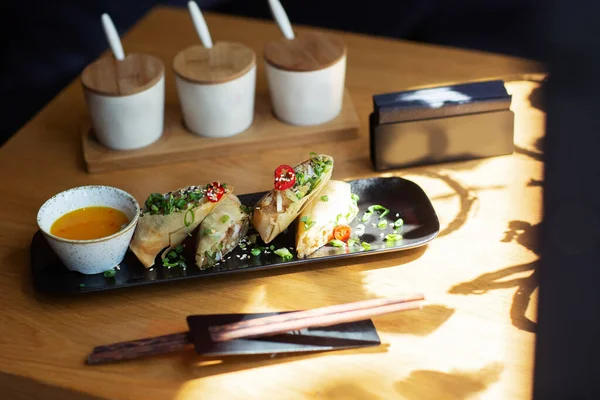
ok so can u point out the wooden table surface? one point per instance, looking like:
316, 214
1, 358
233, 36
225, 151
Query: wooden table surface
474, 339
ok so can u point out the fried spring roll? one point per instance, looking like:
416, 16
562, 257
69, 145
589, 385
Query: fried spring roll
277, 209
167, 219
334, 206
221, 231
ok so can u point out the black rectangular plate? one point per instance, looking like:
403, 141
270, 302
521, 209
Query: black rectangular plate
336, 337
401, 196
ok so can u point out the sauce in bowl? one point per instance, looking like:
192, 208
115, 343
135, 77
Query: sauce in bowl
89, 223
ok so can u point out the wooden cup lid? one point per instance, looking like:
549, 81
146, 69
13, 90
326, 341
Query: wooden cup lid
306, 52
136, 73
223, 62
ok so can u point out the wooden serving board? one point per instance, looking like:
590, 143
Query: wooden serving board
178, 144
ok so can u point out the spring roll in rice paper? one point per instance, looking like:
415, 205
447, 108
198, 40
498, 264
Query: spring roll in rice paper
221, 231
294, 188
167, 219
333, 207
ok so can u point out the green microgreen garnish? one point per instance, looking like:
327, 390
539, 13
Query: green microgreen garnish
392, 237
180, 200
374, 208
319, 165
352, 242
366, 217
110, 273
325, 198
175, 258
284, 253
307, 222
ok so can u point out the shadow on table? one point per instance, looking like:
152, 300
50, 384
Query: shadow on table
526, 235
467, 197
416, 322
434, 385
18, 387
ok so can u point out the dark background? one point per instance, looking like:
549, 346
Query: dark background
46, 44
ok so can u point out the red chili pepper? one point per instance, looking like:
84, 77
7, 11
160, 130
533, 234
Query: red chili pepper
285, 177
342, 232
214, 192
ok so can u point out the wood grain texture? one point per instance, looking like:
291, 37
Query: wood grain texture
222, 63
179, 145
308, 51
473, 340
136, 73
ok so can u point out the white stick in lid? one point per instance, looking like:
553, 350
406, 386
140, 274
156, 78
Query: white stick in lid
200, 24
113, 38
282, 19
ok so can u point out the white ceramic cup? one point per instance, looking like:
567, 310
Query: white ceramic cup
128, 122
96, 255
218, 109
307, 97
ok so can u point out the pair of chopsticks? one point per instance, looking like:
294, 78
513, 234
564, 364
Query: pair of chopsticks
318, 317
258, 327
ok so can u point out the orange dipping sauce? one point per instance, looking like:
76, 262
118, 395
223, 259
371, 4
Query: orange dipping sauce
89, 223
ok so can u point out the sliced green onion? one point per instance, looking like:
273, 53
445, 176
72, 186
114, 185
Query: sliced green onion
366, 246
81, 285
392, 237
354, 197
325, 198
284, 253
189, 222
377, 207
382, 224
110, 273
366, 217
224, 218
399, 222
304, 219
336, 243
256, 251
352, 242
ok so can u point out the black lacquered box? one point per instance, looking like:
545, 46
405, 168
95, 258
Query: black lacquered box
441, 124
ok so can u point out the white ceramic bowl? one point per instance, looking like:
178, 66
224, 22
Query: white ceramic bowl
96, 255
307, 97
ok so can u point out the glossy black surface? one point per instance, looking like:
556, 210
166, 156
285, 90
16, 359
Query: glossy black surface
335, 337
441, 101
401, 196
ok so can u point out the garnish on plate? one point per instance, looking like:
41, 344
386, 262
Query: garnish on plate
175, 258
168, 219
284, 253
376, 207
